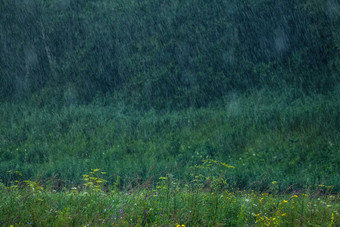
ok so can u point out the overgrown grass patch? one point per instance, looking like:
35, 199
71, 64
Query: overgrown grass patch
169, 204
268, 136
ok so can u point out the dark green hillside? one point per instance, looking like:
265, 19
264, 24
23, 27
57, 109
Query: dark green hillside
165, 54
141, 89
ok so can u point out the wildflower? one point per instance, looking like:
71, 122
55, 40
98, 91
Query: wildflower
104, 210
285, 201
332, 219
294, 196
284, 214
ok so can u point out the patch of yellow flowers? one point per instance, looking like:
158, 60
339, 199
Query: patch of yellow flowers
93, 181
178, 225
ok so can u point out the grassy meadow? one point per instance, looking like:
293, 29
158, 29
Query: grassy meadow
263, 158
169, 113
170, 203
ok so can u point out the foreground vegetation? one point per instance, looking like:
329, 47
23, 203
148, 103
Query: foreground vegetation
257, 159
170, 203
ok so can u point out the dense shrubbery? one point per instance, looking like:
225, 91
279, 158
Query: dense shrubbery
165, 54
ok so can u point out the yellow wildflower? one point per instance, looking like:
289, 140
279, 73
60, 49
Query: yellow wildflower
284, 214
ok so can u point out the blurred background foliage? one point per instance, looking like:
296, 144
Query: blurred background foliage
165, 54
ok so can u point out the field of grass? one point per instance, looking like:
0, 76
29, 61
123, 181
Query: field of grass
170, 203
262, 158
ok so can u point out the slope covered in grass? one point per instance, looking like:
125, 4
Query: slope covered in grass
268, 136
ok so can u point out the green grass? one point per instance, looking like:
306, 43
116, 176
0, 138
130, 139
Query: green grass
170, 203
268, 136
168, 167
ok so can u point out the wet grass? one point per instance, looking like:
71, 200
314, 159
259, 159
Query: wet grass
173, 167
286, 137
169, 204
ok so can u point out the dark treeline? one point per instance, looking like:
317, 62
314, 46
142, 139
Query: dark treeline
165, 53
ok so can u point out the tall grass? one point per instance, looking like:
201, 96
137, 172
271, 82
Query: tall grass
170, 203
282, 136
